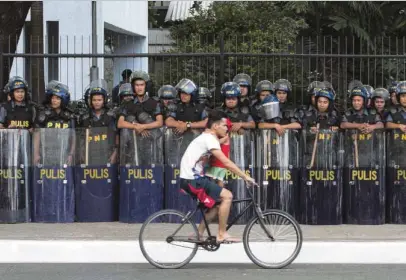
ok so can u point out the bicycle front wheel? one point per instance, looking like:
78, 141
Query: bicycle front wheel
285, 246
167, 243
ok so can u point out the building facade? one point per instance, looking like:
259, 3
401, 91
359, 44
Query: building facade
68, 30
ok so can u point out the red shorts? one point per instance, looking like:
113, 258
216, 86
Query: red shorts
204, 189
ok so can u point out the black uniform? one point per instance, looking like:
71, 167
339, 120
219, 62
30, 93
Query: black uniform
397, 115
190, 112
19, 116
236, 114
325, 120
49, 118
369, 116
134, 109
106, 119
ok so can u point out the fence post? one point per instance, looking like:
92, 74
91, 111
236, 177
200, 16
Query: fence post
1, 69
221, 57
220, 80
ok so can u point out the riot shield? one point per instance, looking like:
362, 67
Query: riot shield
15, 152
96, 188
364, 177
278, 169
141, 175
321, 177
396, 181
53, 181
175, 146
242, 153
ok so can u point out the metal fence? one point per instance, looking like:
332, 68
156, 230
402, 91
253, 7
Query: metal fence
214, 59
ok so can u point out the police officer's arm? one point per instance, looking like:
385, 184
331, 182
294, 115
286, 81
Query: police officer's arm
263, 124
250, 124
202, 123
378, 123
345, 124
293, 125
3, 116
159, 120
391, 125
295, 120
156, 124
122, 123
170, 121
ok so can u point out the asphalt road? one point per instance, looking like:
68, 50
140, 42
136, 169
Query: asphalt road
198, 271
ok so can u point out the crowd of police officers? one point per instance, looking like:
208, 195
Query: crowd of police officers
120, 161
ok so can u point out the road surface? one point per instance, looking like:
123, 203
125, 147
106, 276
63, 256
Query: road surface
199, 271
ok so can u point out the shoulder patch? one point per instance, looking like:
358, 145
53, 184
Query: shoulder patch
245, 110
372, 111
41, 116
393, 110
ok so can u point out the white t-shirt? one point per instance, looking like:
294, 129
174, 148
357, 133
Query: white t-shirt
196, 155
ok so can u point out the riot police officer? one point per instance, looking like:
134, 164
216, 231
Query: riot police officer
359, 117
288, 117
55, 114
370, 90
125, 94
145, 109
231, 93
188, 114
5, 96
244, 81
397, 117
97, 150
262, 90
98, 114
379, 100
167, 95
204, 96
312, 89
324, 116
393, 95
18, 112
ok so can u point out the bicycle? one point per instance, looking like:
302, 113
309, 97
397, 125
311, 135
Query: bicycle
210, 243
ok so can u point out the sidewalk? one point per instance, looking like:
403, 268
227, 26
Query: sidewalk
117, 243
129, 232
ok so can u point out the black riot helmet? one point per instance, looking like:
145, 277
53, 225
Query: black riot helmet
167, 92
243, 80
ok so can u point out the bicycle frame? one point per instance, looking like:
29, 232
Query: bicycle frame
258, 213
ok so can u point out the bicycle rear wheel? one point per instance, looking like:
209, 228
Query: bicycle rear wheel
165, 242
286, 245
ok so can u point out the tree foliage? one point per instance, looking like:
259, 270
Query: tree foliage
246, 27
302, 27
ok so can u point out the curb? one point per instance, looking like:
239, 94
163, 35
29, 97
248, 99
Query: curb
79, 251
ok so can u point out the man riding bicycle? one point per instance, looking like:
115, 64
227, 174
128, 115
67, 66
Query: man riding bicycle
194, 182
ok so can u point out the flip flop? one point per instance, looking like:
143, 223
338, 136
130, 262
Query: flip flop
229, 240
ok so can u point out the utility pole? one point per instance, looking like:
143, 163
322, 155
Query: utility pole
94, 70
